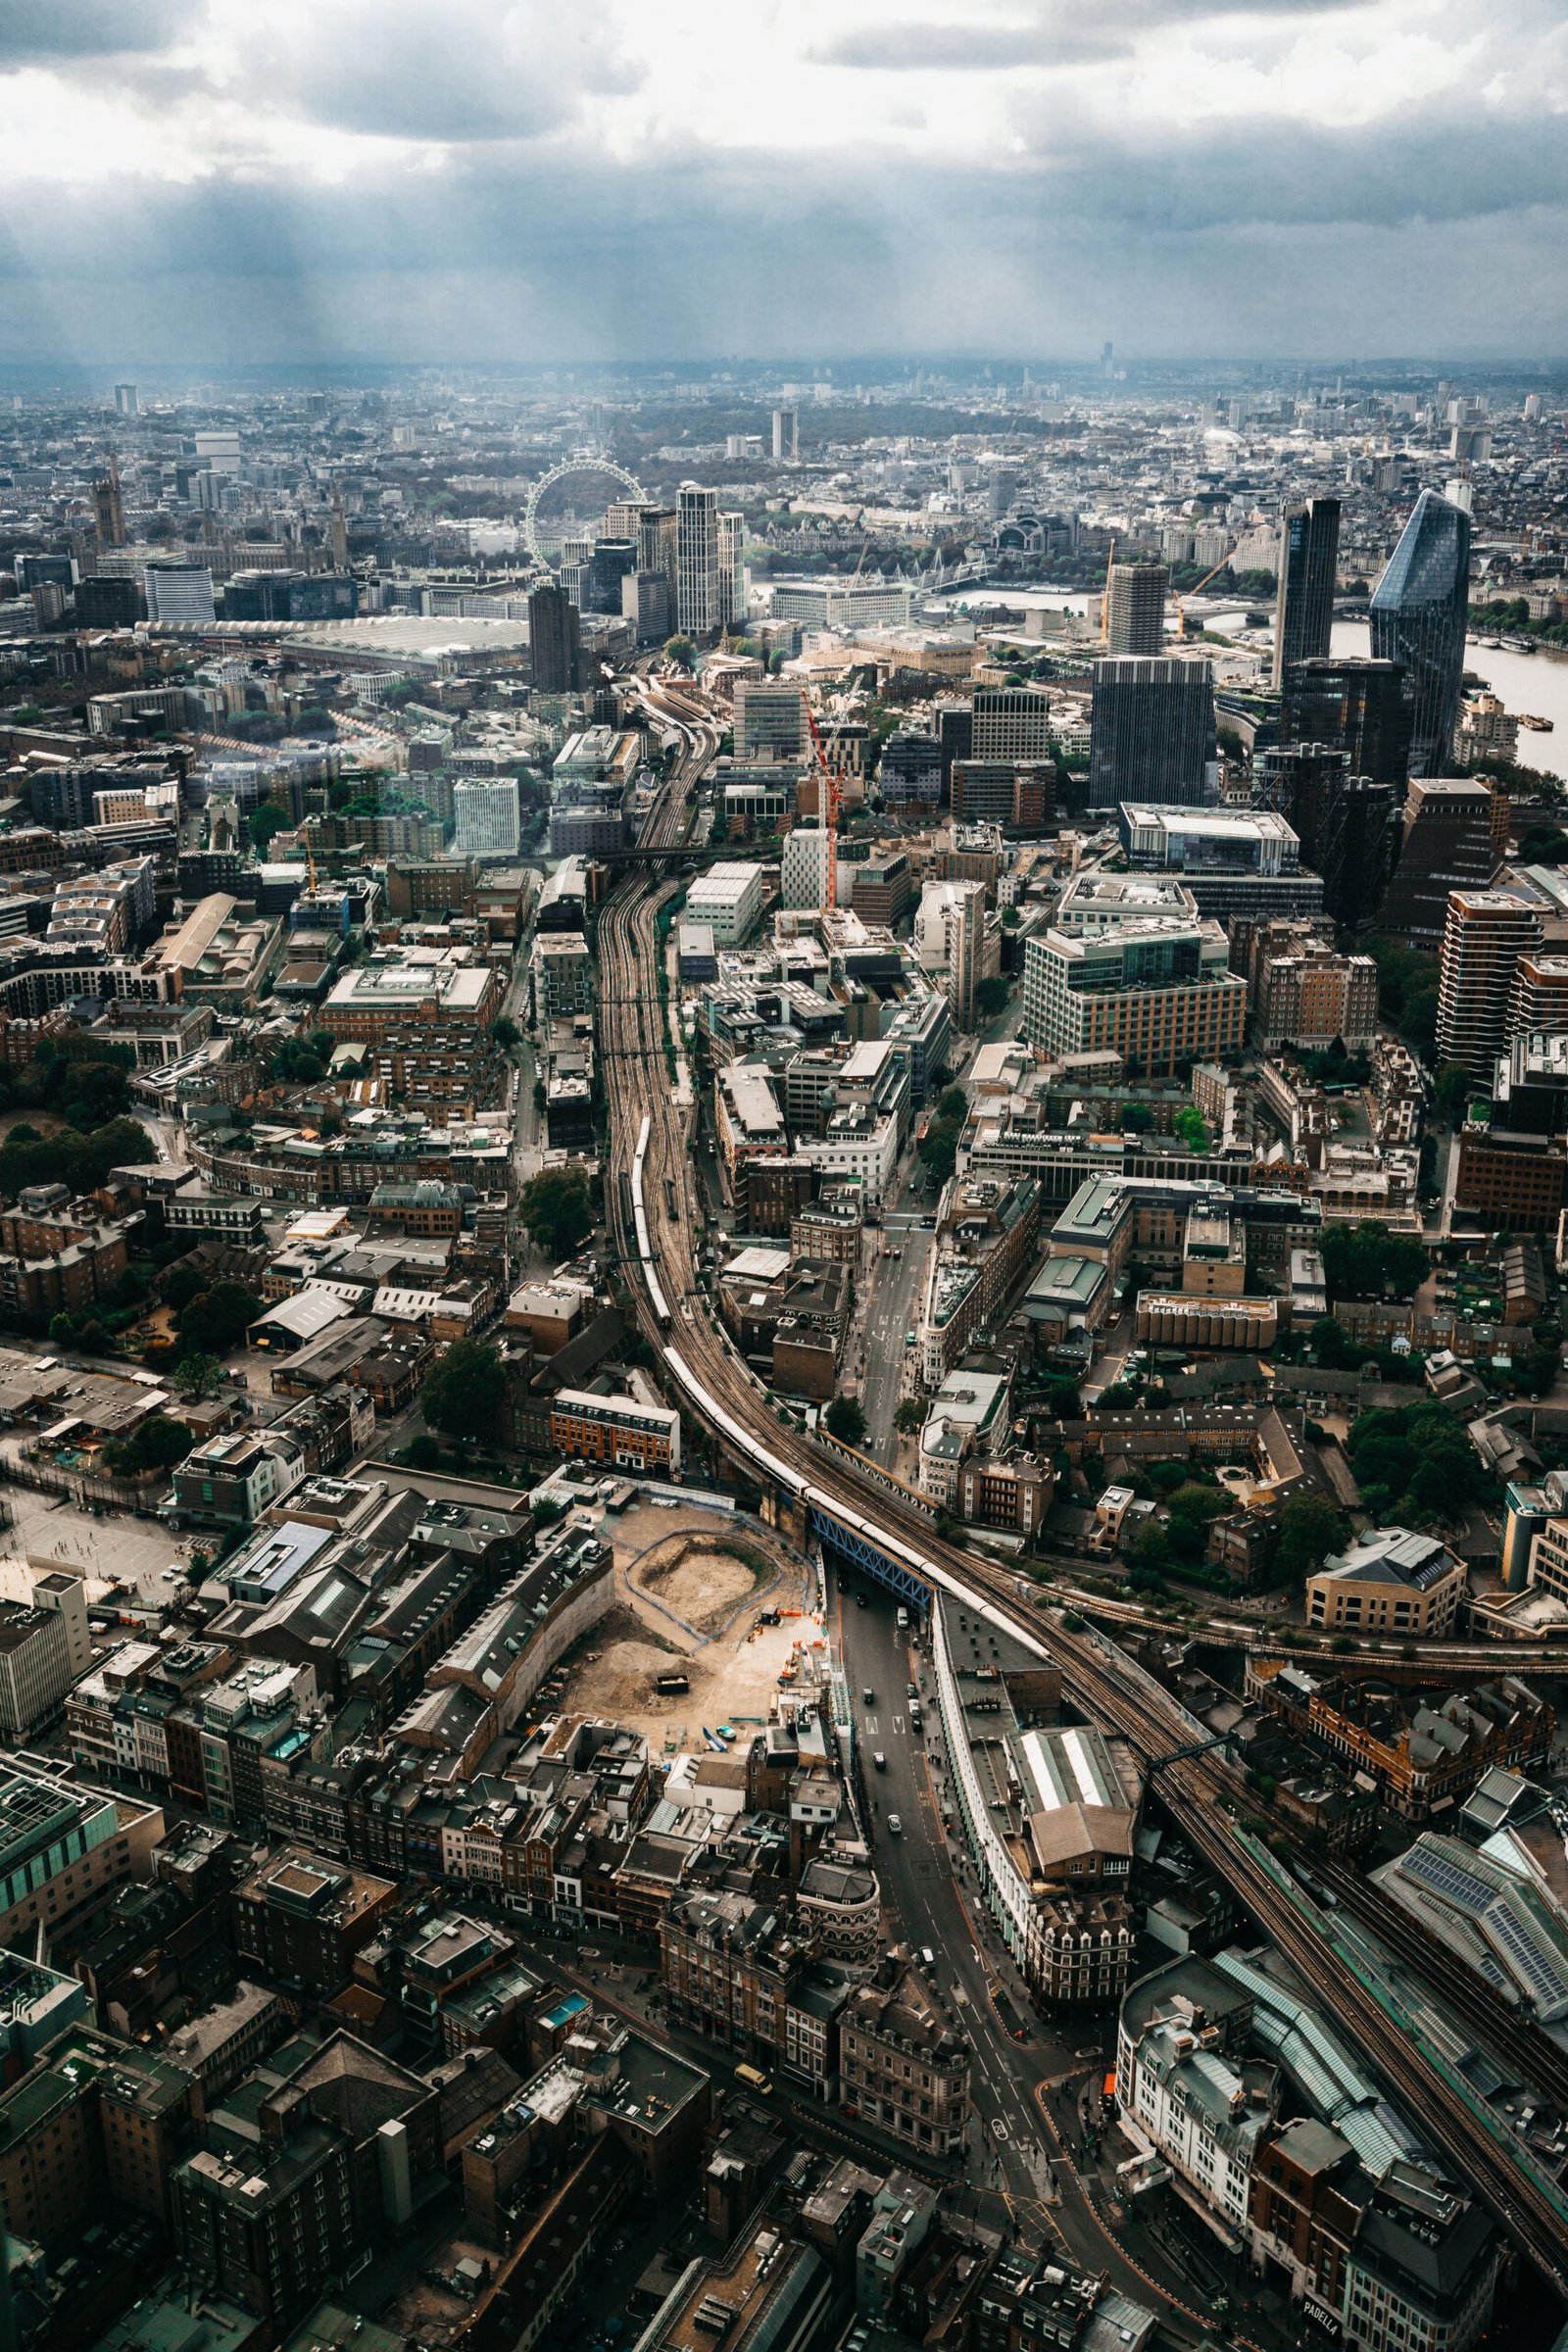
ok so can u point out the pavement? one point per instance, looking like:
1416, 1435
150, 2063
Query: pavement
1031, 2096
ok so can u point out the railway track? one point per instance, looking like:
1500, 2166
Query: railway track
649, 1170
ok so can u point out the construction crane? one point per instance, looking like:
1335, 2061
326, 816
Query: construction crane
1180, 602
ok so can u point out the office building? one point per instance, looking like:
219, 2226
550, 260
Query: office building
1357, 849
62, 1844
1451, 842
911, 767
1357, 707
1160, 994
728, 897
1196, 841
902, 2064
348, 2143
554, 642
178, 593
1233, 861
1134, 607
106, 602
1151, 731
731, 569
648, 602
769, 721
698, 609
301, 1920
1006, 722
804, 868
1390, 1582
882, 889
34, 1669
1485, 934
950, 943
96, 2122
1019, 795
786, 436
488, 819
1303, 609
624, 1432
658, 542
125, 401
1302, 994
611, 562
1346, 825
1418, 613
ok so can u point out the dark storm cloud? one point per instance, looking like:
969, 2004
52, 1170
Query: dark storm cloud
1044, 38
458, 72
48, 31
1443, 165
543, 221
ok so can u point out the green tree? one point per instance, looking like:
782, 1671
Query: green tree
939, 1148
1190, 1127
954, 1104
464, 1395
295, 1064
910, 1417
506, 1034
1310, 1528
217, 1320
180, 1283
845, 1421
556, 1211
991, 996
421, 1453
1451, 1091
1149, 1554
195, 1377
1331, 1343
156, 1444
263, 821
1137, 1119
1192, 1508
680, 653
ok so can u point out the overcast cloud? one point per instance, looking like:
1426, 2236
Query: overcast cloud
214, 181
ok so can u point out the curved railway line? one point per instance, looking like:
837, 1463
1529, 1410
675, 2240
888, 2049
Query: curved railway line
650, 1170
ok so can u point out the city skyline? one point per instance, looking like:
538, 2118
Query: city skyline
342, 185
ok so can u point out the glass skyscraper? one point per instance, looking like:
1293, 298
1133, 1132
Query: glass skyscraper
1418, 617
1151, 732
1310, 556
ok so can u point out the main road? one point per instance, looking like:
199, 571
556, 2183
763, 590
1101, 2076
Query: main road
1203, 1794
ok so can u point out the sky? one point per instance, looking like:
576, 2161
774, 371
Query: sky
226, 183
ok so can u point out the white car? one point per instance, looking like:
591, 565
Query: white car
894, 1826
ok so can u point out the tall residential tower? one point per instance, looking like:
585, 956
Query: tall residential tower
1418, 617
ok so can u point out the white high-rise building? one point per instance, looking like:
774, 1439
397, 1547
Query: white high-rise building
950, 942
731, 569
179, 593
488, 817
697, 603
804, 868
